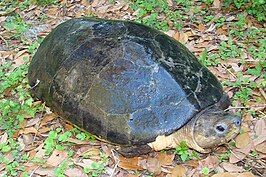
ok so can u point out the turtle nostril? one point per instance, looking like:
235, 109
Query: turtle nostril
237, 121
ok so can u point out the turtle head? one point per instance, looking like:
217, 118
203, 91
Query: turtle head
213, 127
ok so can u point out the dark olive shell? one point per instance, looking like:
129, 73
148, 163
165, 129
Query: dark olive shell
121, 81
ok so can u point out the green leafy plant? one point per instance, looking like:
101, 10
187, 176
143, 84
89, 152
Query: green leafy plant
16, 26
45, 2
182, 151
255, 7
205, 171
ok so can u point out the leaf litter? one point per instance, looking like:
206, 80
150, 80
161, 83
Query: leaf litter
241, 161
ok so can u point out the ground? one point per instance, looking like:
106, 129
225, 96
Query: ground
228, 37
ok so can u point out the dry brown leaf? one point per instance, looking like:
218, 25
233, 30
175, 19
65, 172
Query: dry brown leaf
44, 171
165, 159
52, 11
179, 171
56, 158
73, 172
261, 147
176, 36
130, 175
260, 139
76, 141
170, 33
106, 149
242, 140
85, 163
210, 162
21, 58
183, 37
91, 152
129, 163
44, 130
236, 156
153, 166
231, 168
47, 118
231, 18
28, 130
223, 175
216, 4
27, 139
201, 27
3, 138
32, 122
260, 127
246, 174
68, 126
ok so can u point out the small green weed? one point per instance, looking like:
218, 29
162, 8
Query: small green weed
224, 157
205, 171
255, 7
182, 151
16, 26
59, 172
95, 170
45, 2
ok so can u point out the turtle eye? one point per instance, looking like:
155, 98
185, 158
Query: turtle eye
220, 128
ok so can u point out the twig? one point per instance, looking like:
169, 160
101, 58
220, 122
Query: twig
116, 165
262, 92
4, 40
32, 173
228, 70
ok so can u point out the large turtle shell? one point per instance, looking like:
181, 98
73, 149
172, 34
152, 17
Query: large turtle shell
121, 81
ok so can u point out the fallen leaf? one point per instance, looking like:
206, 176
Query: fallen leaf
216, 4
44, 171
231, 18
246, 174
179, 171
223, 175
73, 172
260, 139
47, 118
56, 158
183, 37
210, 162
231, 168
44, 130
21, 57
28, 130
260, 127
236, 156
91, 152
261, 147
153, 166
3, 138
165, 159
85, 163
170, 33
242, 140
129, 163
201, 27
76, 141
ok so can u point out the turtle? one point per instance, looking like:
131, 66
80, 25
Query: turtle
132, 86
